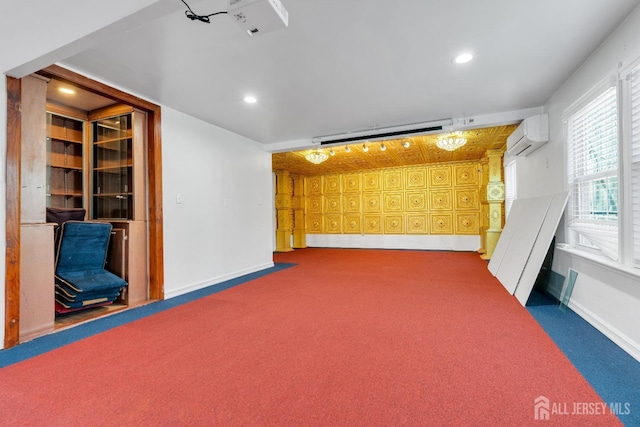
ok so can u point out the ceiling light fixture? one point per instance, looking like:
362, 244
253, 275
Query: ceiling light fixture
365, 148
451, 141
333, 153
406, 144
383, 147
250, 99
66, 90
347, 149
316, 157
463, 58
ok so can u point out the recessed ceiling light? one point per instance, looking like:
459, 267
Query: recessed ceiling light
66, 90
463, 58
250, 99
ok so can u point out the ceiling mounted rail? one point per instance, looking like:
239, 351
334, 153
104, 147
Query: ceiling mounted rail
384, 133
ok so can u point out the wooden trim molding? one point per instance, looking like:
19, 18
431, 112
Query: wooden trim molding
154, 189
154, 176
12, 223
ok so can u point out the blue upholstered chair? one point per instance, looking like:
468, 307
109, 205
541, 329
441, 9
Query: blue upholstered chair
81, 280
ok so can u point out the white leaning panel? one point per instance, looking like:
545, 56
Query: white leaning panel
541, 246
522, 241
514, 222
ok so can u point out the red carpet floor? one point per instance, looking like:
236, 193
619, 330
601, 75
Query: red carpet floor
346, 338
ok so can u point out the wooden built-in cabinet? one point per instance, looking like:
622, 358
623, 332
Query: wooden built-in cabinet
78, 159
56, 159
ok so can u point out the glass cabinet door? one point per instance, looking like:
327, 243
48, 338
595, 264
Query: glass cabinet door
112, 168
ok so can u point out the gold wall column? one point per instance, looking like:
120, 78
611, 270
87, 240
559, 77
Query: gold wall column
494, 200
299, 221
284, 196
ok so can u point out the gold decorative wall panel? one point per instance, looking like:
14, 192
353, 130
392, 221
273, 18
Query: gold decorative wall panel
371, 181
394, 224
428, 199
440, 200
372, 224
314, 223
442, 223
466, 175
416, 178
351, 203
440, 176
467, 223
466, 199
351, 183
393, 202
372, 202
352, 223
393, 180
313, 186
416, 201
332, 203
417, 224
314, 204
333, 224
331, 184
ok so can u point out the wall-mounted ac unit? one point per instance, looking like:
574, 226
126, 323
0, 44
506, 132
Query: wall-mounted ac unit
532, 134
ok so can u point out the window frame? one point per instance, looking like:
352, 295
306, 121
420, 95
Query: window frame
575, 239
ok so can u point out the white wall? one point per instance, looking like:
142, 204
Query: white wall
38, 33
224, 226
606, 297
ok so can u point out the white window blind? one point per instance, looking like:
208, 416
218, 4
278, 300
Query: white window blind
634, 97
510, 192
592, 138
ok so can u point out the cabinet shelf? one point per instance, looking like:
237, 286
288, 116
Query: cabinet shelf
64, 193
112, 140
66, 167
112, 169
66, 141
65, 161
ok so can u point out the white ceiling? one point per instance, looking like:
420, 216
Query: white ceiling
348, 65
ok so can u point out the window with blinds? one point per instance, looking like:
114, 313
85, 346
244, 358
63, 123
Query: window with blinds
510, 192
592, 166
634, 102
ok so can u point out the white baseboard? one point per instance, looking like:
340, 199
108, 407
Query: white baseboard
610, 332
392, 241
215, 280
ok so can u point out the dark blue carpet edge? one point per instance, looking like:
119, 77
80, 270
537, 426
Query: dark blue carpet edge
59, 339
612, 372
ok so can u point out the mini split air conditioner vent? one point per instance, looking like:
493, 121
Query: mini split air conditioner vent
532, 134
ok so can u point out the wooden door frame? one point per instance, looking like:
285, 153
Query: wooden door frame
13, 166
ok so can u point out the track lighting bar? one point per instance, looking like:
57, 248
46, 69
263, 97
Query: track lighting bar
383, 133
